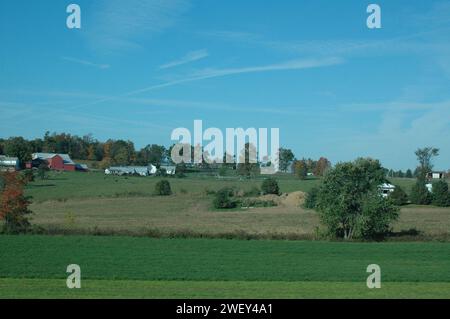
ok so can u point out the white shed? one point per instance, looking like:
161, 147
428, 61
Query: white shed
386, 189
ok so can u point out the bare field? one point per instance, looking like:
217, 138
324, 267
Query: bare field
193, 212
174, 213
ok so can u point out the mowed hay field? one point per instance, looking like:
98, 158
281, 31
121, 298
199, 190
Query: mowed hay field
139, 267
79, 202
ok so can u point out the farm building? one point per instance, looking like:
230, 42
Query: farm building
81, 167
170, 169
386, 189
59, 162
131, 170
9, 163
436, 175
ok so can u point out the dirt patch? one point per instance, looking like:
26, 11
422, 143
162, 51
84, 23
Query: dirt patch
294, 199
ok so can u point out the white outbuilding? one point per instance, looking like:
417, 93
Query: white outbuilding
386, 189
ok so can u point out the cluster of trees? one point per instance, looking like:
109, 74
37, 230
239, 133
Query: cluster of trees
111, 152
304, 166
420, 194
408, 174
123, 152
350, 204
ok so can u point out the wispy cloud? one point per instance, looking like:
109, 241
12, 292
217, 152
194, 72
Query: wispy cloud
189, 57
215, 73
214, 106
85, 62
117, 25
417, 42
19, 113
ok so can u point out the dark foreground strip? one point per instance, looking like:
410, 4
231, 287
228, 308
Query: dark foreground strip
224, 308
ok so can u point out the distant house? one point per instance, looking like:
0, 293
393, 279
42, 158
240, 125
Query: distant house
386, 189
436, 175
170, 169
152, 169
9, 163
59, 162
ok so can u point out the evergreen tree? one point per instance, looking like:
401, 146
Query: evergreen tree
409, 174
441, 196
420, 194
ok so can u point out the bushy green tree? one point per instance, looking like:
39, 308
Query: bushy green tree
420, 194
441, 196
285, 158
349, 199
399, 196
162, 188
18, 147
311, 198
43, 170
377, 214
270, 186
224, 198
122, 152
151, 154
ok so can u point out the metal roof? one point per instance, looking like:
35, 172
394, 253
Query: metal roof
387, 186
8, 161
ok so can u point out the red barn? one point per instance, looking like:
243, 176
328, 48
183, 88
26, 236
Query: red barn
59, 162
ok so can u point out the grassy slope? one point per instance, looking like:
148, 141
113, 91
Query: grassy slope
75, 185
143, 267
70, 185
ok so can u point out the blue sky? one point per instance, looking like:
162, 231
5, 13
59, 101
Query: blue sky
139, 69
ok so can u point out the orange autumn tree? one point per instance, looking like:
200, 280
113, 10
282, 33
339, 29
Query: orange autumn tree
14, 204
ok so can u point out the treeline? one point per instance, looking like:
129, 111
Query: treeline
123, 152
111, 152
408, 174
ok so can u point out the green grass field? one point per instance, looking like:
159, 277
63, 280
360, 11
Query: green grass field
74, 185
34, 266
